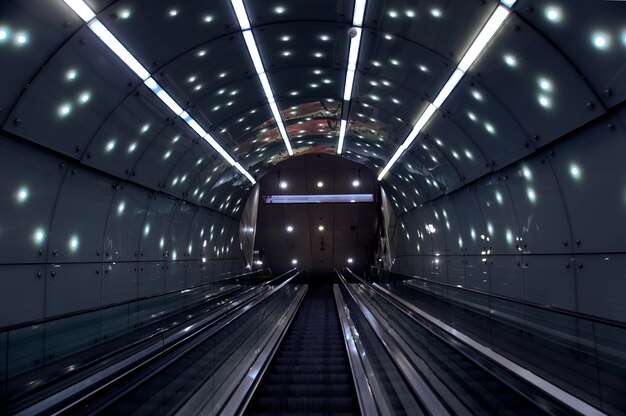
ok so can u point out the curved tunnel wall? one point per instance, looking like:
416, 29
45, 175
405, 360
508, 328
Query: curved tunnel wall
74, 238
548, 229
67, 100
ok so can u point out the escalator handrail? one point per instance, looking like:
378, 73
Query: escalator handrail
241, 398
470, 347
77, 368
547, 308
420, 387
171, 353
42, 321
365, 397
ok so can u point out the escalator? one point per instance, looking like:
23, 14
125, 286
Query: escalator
294, 348
310, 372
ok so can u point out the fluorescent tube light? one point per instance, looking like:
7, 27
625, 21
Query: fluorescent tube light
253, 50
342, 136
353, 56
426, 115
111, 41
245, 172
486, 34
267, 89
163, 96
319, 199
508, 3
85, 13
210, 140
81, 9
347, 91
391, 162
196, 127
242, 16
359, 12
480, 43
448, 87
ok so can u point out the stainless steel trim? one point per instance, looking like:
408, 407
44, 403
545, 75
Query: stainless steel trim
550, 389
363, 389
431, 402
195, 337
241, 397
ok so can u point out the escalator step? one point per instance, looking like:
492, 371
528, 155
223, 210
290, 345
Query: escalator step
310, 373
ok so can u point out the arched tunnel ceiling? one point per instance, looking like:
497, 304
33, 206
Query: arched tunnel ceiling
552, 67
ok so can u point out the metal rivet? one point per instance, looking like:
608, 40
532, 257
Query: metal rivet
590, 105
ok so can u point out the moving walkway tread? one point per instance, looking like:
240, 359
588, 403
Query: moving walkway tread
310, 372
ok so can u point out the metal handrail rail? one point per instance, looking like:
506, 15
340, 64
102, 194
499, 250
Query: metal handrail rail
185, 344
363, 389
548, 308
420, 387
91, 363
462, 342
41, 321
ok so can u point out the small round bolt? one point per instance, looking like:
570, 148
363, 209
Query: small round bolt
17, 121
39, 274
590, 105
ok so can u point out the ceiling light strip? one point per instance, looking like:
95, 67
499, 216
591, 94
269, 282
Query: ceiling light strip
478, 46
96, 26
353, 56
253, 50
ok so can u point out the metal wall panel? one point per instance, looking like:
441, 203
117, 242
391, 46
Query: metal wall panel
124, 223
175, 275
64, 114
154, 233
72, 287
499, 216
151, 278
119, 282
601, 284
549, 280
546, 94
507, 278
42, 25
78, 225
30, 183
22, 293
537, 198
589, 169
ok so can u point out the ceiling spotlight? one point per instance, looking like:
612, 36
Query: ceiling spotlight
321, 228
320, 184
283, 185
294, 261
356, 183
350, 260
289, 228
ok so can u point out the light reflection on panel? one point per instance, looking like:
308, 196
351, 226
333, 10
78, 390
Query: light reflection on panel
63, 114
77, 228
592, 179
30, 190
544, 92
